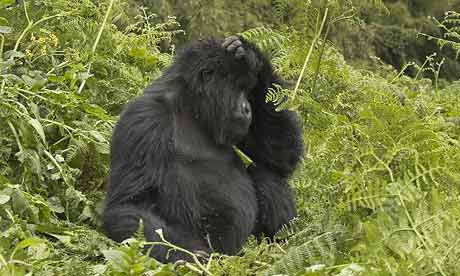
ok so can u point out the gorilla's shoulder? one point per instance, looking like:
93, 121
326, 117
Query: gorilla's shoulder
147, 106
145, 117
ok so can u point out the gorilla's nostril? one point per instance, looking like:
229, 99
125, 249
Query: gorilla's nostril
246, 110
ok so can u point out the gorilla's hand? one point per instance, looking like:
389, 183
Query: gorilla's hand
236, 46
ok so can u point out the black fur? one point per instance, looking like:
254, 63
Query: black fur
173, 164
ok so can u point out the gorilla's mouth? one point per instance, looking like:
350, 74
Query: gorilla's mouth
237, 129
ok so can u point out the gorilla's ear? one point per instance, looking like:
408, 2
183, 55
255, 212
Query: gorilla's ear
206, 75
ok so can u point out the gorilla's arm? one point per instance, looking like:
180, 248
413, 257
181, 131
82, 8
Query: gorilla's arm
143, 181
275, 138
274, 143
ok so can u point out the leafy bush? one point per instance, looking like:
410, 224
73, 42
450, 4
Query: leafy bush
66, 68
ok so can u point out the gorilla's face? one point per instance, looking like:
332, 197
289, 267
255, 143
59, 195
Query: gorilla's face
242, 114
230, 96
218, 90
239, 119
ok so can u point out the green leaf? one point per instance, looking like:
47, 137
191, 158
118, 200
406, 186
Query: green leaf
3, 180
6, 3
65, 239
137, 52
99, 269
98, 136
38, 127
29, 242
59, 158
55, 205
117, 259
97, 111
246, 159
4, 199
39, 251
14, 54
20, 204
5, 30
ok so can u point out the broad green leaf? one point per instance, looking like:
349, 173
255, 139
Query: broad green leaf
4, 199
38, 127
20, 204
29, 242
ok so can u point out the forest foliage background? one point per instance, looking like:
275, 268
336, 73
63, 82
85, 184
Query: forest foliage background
377, 190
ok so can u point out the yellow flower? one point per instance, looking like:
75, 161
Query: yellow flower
29, 53
54, 40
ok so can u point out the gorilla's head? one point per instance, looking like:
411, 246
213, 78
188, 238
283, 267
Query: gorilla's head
218, 89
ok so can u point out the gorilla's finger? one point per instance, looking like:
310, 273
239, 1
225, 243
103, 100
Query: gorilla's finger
229, 40
234, 45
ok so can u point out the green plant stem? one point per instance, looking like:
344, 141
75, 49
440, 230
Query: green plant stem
16, 136
346, 15
56, 164
96, 42
2, 86
26, 12
310, 51
32, 24
421, 68
3, 261
402, 72
2, 43
315, 78
436, 74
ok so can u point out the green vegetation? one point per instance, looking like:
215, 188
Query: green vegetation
378, 191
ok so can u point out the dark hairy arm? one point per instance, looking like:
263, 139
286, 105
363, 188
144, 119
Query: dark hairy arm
275, 138
274, 143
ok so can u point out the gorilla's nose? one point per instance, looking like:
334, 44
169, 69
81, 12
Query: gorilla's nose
246, 111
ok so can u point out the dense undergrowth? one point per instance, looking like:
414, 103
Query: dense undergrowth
377, 191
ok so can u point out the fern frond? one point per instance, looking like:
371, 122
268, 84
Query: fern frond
266, 38
318, 250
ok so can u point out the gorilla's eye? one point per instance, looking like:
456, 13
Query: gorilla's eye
206, 75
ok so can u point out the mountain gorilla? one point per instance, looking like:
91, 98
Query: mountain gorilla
173, 164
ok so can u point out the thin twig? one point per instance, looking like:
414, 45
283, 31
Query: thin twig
96, 42
313, 43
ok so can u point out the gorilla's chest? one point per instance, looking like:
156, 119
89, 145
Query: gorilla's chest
226, 196
220, 185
